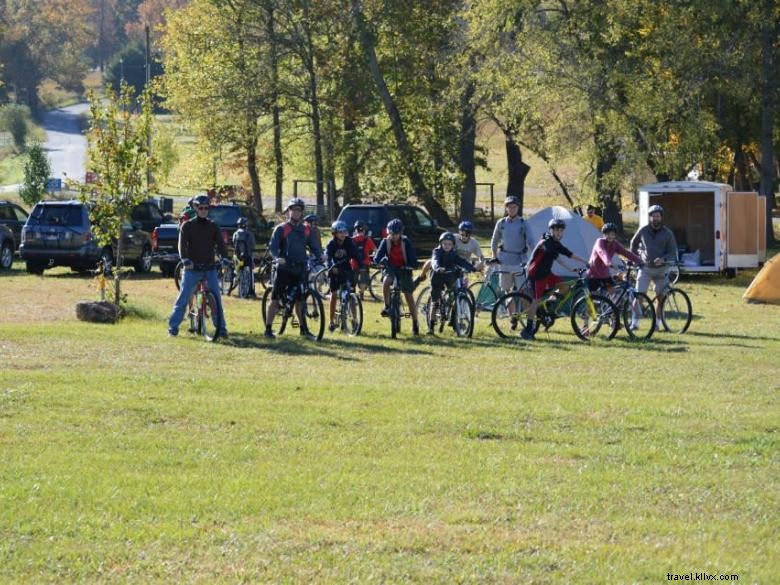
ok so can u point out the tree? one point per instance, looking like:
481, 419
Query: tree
36, 175
119, 157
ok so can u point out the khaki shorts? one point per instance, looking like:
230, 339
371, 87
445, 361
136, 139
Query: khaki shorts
507, 281
655, 273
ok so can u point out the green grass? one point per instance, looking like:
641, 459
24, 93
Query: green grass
127, 456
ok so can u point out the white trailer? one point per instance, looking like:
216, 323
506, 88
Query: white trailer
717, 229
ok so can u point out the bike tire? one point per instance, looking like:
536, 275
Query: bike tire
263, 274
676, 311
602, 324
177, 274
463, 315
395, 314
508, 304
637, 309
208, 310
673, 275
484, 297
313, 315
244, 282
352, 315
422, 304
227, 281
375, 285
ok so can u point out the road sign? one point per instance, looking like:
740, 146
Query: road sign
54, 185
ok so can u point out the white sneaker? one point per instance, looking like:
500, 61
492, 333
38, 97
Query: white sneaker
634, 325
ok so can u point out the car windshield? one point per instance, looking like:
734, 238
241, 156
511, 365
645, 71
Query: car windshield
67, 215
225, 216
372, 217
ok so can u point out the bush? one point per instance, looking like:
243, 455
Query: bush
36, 174
14, 118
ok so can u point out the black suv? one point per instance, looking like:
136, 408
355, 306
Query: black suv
418, 225
13, 217
226, 215
6, 248
149, 215
58, 233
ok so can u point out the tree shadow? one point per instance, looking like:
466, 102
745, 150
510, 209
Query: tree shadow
732, 336
353, 345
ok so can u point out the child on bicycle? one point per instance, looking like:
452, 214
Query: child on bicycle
244, 248
444, 260
341, 253
540, 273
466, 247
366, 248
396, 255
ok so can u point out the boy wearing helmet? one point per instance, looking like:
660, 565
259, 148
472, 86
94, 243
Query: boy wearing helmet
510, 243
366, 248
341, 252
466, 247
289, 243
443, 260
396, 255
244, 248
656, 245
540, 273
198, 239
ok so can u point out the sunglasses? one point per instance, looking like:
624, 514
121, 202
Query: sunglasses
202, 207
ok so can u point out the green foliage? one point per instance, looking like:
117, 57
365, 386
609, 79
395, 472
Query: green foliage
15, 119
36, 174
166, 153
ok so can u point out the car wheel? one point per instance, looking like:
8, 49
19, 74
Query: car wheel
35, 267
144, 263
6, 256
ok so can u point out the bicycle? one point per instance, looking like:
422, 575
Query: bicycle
227, 280
636, 308
591, 315
203, 311
395, 309
673, 275
375, 281
676, 311
318, 279
349, 311
263, 270
310, 317
486, 292
456, 308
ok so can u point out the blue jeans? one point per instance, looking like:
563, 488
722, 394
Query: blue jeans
189, 281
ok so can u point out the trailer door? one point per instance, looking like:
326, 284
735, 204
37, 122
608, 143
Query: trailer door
741, 240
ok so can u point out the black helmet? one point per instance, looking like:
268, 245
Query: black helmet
609, 227
395, 226
360, 226
295, 202
241, 223
447, 236
556, 222
511, 199
201, 200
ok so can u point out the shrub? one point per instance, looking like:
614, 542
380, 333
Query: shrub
14, 118
36, 174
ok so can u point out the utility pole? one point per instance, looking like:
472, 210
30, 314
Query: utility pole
149, 135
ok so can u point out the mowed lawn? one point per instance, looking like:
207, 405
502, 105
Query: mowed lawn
128, 456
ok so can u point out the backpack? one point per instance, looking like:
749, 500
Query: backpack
287, 228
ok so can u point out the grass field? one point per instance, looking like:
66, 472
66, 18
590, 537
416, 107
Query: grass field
128, 456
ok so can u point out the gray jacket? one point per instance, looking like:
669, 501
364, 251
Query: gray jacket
650, 244
510, 241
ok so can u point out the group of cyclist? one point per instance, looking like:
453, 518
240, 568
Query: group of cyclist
348, 259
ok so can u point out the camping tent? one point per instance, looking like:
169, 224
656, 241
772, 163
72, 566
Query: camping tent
765, 287
579, 236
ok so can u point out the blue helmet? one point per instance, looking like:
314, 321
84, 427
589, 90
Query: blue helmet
311, 218
466, 226
339, 226
395, 226
449, 236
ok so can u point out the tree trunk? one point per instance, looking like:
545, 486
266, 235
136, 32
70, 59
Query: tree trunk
316, 131
767, 186
275, 110
468, 137
279, 175
517, 170
251, 164
351, 188
402, 142
608, 195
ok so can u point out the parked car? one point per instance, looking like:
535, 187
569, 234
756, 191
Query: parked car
6, 248
165, 238
149, 215
418, 225
58, 233
13, 217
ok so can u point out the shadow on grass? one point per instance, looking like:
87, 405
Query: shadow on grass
290, 345
353, 345
733, 336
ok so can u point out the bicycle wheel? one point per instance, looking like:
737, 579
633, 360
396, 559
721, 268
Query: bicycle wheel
395, 314
313, 315
244, 282
177, 274
484, 297
674, 274
227, 281
263, 273
207, 313
638, 316
352, 315
422, 303
676, 311
375, 286
462, 315
508, 316
597, 319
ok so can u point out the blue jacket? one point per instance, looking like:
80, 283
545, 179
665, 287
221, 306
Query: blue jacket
411, 257
340, 254
449, 260
290, 243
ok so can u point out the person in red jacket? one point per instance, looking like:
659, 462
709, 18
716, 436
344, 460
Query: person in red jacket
366, 248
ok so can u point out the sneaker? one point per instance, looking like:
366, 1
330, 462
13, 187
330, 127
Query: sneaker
269, 334
386, 312
172, 333
415, 328
528, 334
332, 327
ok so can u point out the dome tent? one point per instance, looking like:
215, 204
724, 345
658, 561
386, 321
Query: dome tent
579, 235
765, 287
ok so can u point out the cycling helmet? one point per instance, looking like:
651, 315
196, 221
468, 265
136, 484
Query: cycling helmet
556, 223
609, 227
339, 226
295, 202
466, 226
511, 199
201, 200
360, 226
241, 223
311, 218
395, 226
655, 209
449, 236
